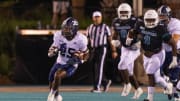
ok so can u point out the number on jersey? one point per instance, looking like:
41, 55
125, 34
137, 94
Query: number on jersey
66, 51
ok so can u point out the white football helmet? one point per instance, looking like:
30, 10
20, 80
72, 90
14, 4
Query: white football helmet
151, 19
124, 11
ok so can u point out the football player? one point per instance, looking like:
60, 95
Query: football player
152, 34
71, 47
173, 26
129, 51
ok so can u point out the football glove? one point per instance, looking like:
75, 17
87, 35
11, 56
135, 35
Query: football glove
129, 41
116, 43
52, 51
174, 62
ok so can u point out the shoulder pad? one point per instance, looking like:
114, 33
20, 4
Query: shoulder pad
81, 35
115, 20
58, 33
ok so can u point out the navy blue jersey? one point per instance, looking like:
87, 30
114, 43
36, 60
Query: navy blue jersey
174, 74
122, 28
152, 38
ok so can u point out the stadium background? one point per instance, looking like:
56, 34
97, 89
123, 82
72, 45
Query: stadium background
23, 58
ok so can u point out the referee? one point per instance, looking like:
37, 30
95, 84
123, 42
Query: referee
99, 36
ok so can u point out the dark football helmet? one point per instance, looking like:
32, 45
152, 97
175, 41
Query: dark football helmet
164, 12
69, 28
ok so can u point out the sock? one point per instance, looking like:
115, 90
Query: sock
150, 93
174, 90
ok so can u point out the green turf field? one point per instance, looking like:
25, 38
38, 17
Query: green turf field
75, 96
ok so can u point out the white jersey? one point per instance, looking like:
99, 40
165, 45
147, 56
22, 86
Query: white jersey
173, 28
67, 48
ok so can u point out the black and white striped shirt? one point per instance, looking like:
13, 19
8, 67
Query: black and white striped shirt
98, 35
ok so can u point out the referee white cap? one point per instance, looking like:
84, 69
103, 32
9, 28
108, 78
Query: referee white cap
97, 13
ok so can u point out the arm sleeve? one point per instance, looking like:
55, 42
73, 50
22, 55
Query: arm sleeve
166, 37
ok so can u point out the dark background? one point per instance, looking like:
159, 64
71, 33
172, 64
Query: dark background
33, 64
26, 60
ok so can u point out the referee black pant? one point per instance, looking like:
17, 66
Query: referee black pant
98, 56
